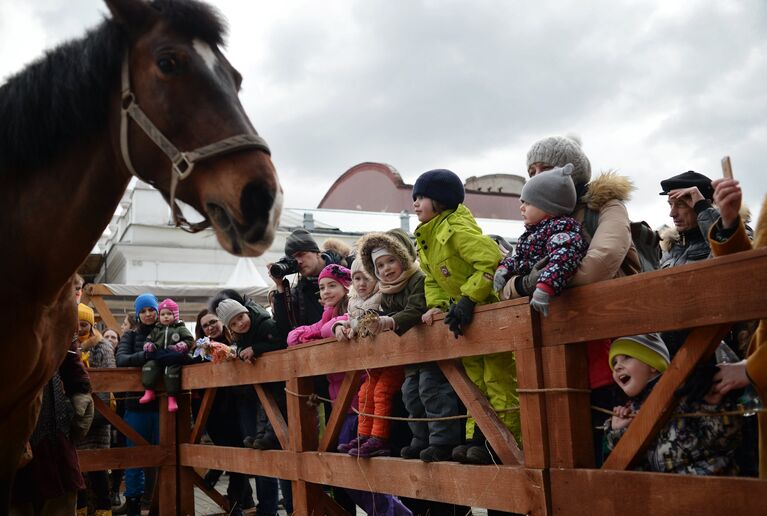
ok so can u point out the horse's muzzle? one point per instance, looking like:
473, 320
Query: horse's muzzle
260, 207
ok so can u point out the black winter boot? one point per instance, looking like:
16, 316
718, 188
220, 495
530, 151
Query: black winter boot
437, 453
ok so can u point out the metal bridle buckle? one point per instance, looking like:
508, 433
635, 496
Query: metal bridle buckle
182, 166
128, 100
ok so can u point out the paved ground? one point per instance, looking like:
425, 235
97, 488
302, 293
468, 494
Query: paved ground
203, 506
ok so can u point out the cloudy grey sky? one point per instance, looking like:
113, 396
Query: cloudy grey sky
652, 88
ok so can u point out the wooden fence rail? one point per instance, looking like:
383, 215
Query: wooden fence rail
552, 475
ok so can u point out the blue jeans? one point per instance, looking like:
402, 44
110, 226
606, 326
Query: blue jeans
147, 424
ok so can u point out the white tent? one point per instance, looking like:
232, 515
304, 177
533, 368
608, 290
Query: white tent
245, 274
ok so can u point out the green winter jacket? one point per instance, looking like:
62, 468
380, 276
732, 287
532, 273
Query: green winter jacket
164, 336
457, 258
407, 306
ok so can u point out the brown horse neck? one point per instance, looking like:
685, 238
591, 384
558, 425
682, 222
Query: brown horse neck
63, 210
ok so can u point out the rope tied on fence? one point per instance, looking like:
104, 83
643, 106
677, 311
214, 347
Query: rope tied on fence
553, 389
743, 411
312, 399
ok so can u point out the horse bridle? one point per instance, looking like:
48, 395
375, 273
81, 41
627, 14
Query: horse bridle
182, 163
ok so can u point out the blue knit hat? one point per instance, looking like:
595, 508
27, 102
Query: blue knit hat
440, 185
145, 300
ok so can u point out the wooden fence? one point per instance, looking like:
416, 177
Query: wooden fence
554, 475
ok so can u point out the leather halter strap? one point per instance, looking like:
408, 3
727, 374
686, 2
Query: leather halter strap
182, 163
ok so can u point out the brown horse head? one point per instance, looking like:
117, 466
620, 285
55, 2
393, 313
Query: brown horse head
70, 136
188, 90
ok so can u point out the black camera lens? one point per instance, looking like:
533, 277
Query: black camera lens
283, 267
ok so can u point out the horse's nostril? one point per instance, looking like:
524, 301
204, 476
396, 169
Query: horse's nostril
219, 216
256, 203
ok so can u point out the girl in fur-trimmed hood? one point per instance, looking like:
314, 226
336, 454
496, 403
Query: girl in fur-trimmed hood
388, 257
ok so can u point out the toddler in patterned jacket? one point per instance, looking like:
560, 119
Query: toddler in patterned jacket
552, 239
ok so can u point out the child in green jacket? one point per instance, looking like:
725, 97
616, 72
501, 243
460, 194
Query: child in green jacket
459, 262
167, 349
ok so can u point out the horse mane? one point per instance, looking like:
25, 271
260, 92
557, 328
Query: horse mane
64, 96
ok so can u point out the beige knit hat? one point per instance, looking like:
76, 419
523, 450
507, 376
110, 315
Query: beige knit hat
228, 309
558, 151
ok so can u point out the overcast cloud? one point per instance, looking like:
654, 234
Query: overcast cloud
651, 88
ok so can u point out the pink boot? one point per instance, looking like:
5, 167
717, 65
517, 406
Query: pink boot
172, 405
147, 397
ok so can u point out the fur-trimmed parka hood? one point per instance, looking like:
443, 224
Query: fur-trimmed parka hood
760, 239
98, 350
607, 187
92, 341
339, 247
402, 250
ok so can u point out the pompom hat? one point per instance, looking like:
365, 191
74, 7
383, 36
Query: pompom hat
169, 304
558, 151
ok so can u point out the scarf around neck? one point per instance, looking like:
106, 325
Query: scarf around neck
399, 284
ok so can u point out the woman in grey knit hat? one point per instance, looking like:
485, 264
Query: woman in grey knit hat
611, 252
601, 209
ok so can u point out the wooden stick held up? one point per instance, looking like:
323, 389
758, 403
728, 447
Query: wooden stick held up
726, 167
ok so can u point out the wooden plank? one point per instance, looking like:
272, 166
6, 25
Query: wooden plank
630, 493
499, 437
496, 328
214, 495
123, 458
274, 414
649, 302
118, 422
532, 405
271, 463
303, 437
105, 313
184, 475
657, 409
571, 444
98, 289
624, 306
202, 416
348, 390
522, 489
116, 379
167, 485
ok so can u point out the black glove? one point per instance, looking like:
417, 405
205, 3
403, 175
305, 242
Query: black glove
459, 315
525, 285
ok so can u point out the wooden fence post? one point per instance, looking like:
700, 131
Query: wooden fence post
571, 443
303, 428
166, 479
185, 474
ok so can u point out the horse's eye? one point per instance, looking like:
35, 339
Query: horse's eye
166, 65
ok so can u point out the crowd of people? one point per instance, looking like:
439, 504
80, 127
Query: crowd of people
577, 231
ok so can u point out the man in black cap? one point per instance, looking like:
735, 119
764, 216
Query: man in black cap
690, 196
300, 304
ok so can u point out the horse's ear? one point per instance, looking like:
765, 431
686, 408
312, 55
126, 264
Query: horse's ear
135, 15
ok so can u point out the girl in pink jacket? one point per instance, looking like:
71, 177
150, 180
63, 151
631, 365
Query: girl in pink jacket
334, 281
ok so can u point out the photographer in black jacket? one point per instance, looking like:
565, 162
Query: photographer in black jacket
299, 305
